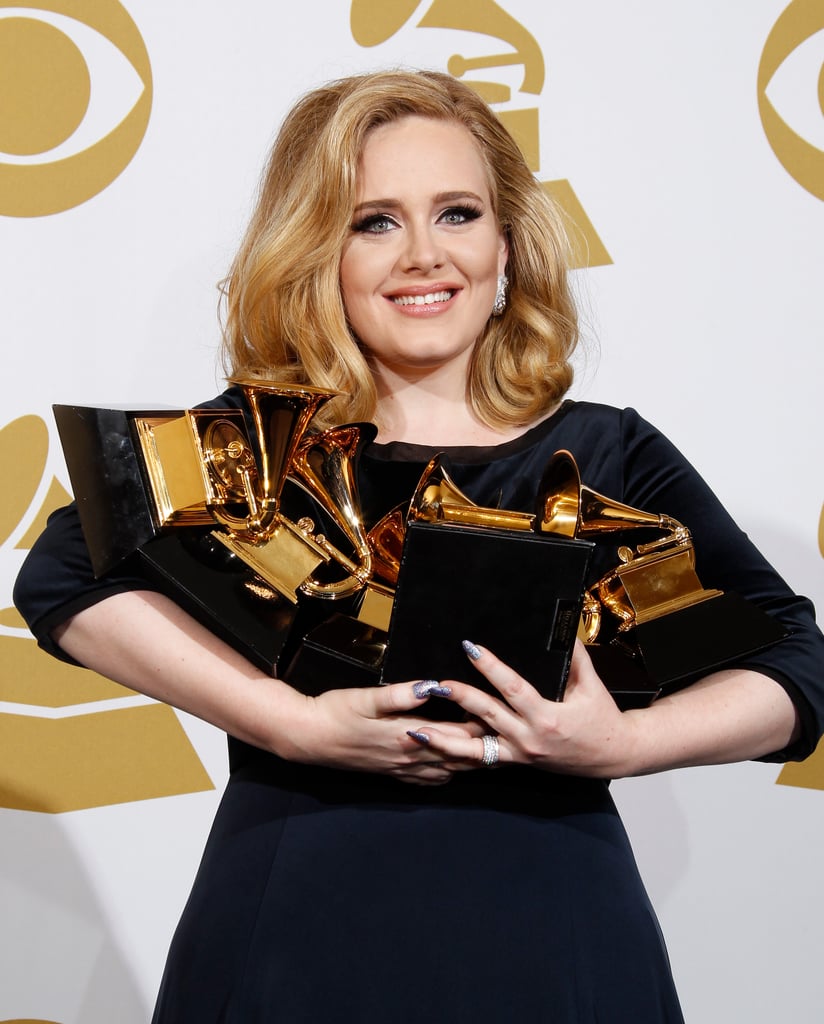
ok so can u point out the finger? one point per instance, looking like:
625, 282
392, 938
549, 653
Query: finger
412, 781
399, 697
582, 673
424, 775
462, 751
490, 713
516, 691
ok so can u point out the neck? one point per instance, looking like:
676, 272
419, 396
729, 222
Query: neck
428, 416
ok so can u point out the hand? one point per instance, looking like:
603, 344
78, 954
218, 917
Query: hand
368, 730
585, 734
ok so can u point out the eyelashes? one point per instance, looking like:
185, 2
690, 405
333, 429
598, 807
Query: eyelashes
382, 223
375, 224
460, 214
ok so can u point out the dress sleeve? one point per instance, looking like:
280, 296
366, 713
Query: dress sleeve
57, 581
658, 478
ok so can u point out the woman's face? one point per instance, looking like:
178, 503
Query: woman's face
420, 268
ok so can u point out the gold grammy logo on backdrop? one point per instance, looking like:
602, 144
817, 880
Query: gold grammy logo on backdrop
799, 22
69, 738
374, 21
51, 105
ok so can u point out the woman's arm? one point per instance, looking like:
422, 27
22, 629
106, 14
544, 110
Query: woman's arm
146, 642
730, 715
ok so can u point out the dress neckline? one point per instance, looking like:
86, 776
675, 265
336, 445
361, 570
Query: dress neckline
405, 451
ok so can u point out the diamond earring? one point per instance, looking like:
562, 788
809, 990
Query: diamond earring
499, 305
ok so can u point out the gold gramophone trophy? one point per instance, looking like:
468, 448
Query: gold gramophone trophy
464, 571
650, 617
197, 498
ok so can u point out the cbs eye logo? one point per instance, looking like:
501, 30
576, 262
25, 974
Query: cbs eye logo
75, 99
791, 78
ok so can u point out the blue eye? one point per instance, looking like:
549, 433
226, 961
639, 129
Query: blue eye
375, 224
460, 215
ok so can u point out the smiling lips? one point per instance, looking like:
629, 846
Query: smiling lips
427, 302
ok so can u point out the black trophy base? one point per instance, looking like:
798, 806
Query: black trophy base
219, 590
622, 672
340, 653
105, 467
518, 594
679, 648
669, 653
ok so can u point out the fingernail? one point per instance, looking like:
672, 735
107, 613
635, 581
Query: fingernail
419, 737
430, 688
471, 650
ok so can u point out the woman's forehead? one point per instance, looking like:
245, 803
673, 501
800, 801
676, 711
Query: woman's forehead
414, 149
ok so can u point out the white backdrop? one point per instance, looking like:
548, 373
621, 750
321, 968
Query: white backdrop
708, 319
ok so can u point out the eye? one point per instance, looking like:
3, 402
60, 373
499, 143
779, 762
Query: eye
77, 108
376, 224
459, 215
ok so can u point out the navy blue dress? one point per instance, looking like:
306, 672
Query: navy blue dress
510, 895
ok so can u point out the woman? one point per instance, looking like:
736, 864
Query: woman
363, 866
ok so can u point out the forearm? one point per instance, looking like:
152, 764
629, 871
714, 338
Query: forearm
728, 716
146, 642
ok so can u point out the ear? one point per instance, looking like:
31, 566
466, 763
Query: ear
503, 253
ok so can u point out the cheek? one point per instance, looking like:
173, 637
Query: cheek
360, 273
356, 293
348, 277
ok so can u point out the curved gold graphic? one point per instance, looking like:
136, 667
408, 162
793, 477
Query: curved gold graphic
821, 532
803, 161
45, 92
28, 1020
375, 21
61, 751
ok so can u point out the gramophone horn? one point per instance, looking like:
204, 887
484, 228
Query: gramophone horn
280, 413
436, 491
437, 498
325, 466
386, 543
568, 507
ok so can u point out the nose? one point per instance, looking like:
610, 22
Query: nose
422, 250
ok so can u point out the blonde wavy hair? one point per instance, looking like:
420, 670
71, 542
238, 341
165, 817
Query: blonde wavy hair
284, 317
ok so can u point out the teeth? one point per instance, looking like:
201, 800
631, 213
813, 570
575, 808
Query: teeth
422, 300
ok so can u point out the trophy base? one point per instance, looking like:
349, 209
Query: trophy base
517, 593
450, 588
679, 648
629, 683
670, 652
340, 653
104, 463
222, 593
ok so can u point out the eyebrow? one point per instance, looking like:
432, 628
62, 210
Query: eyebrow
441, 197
